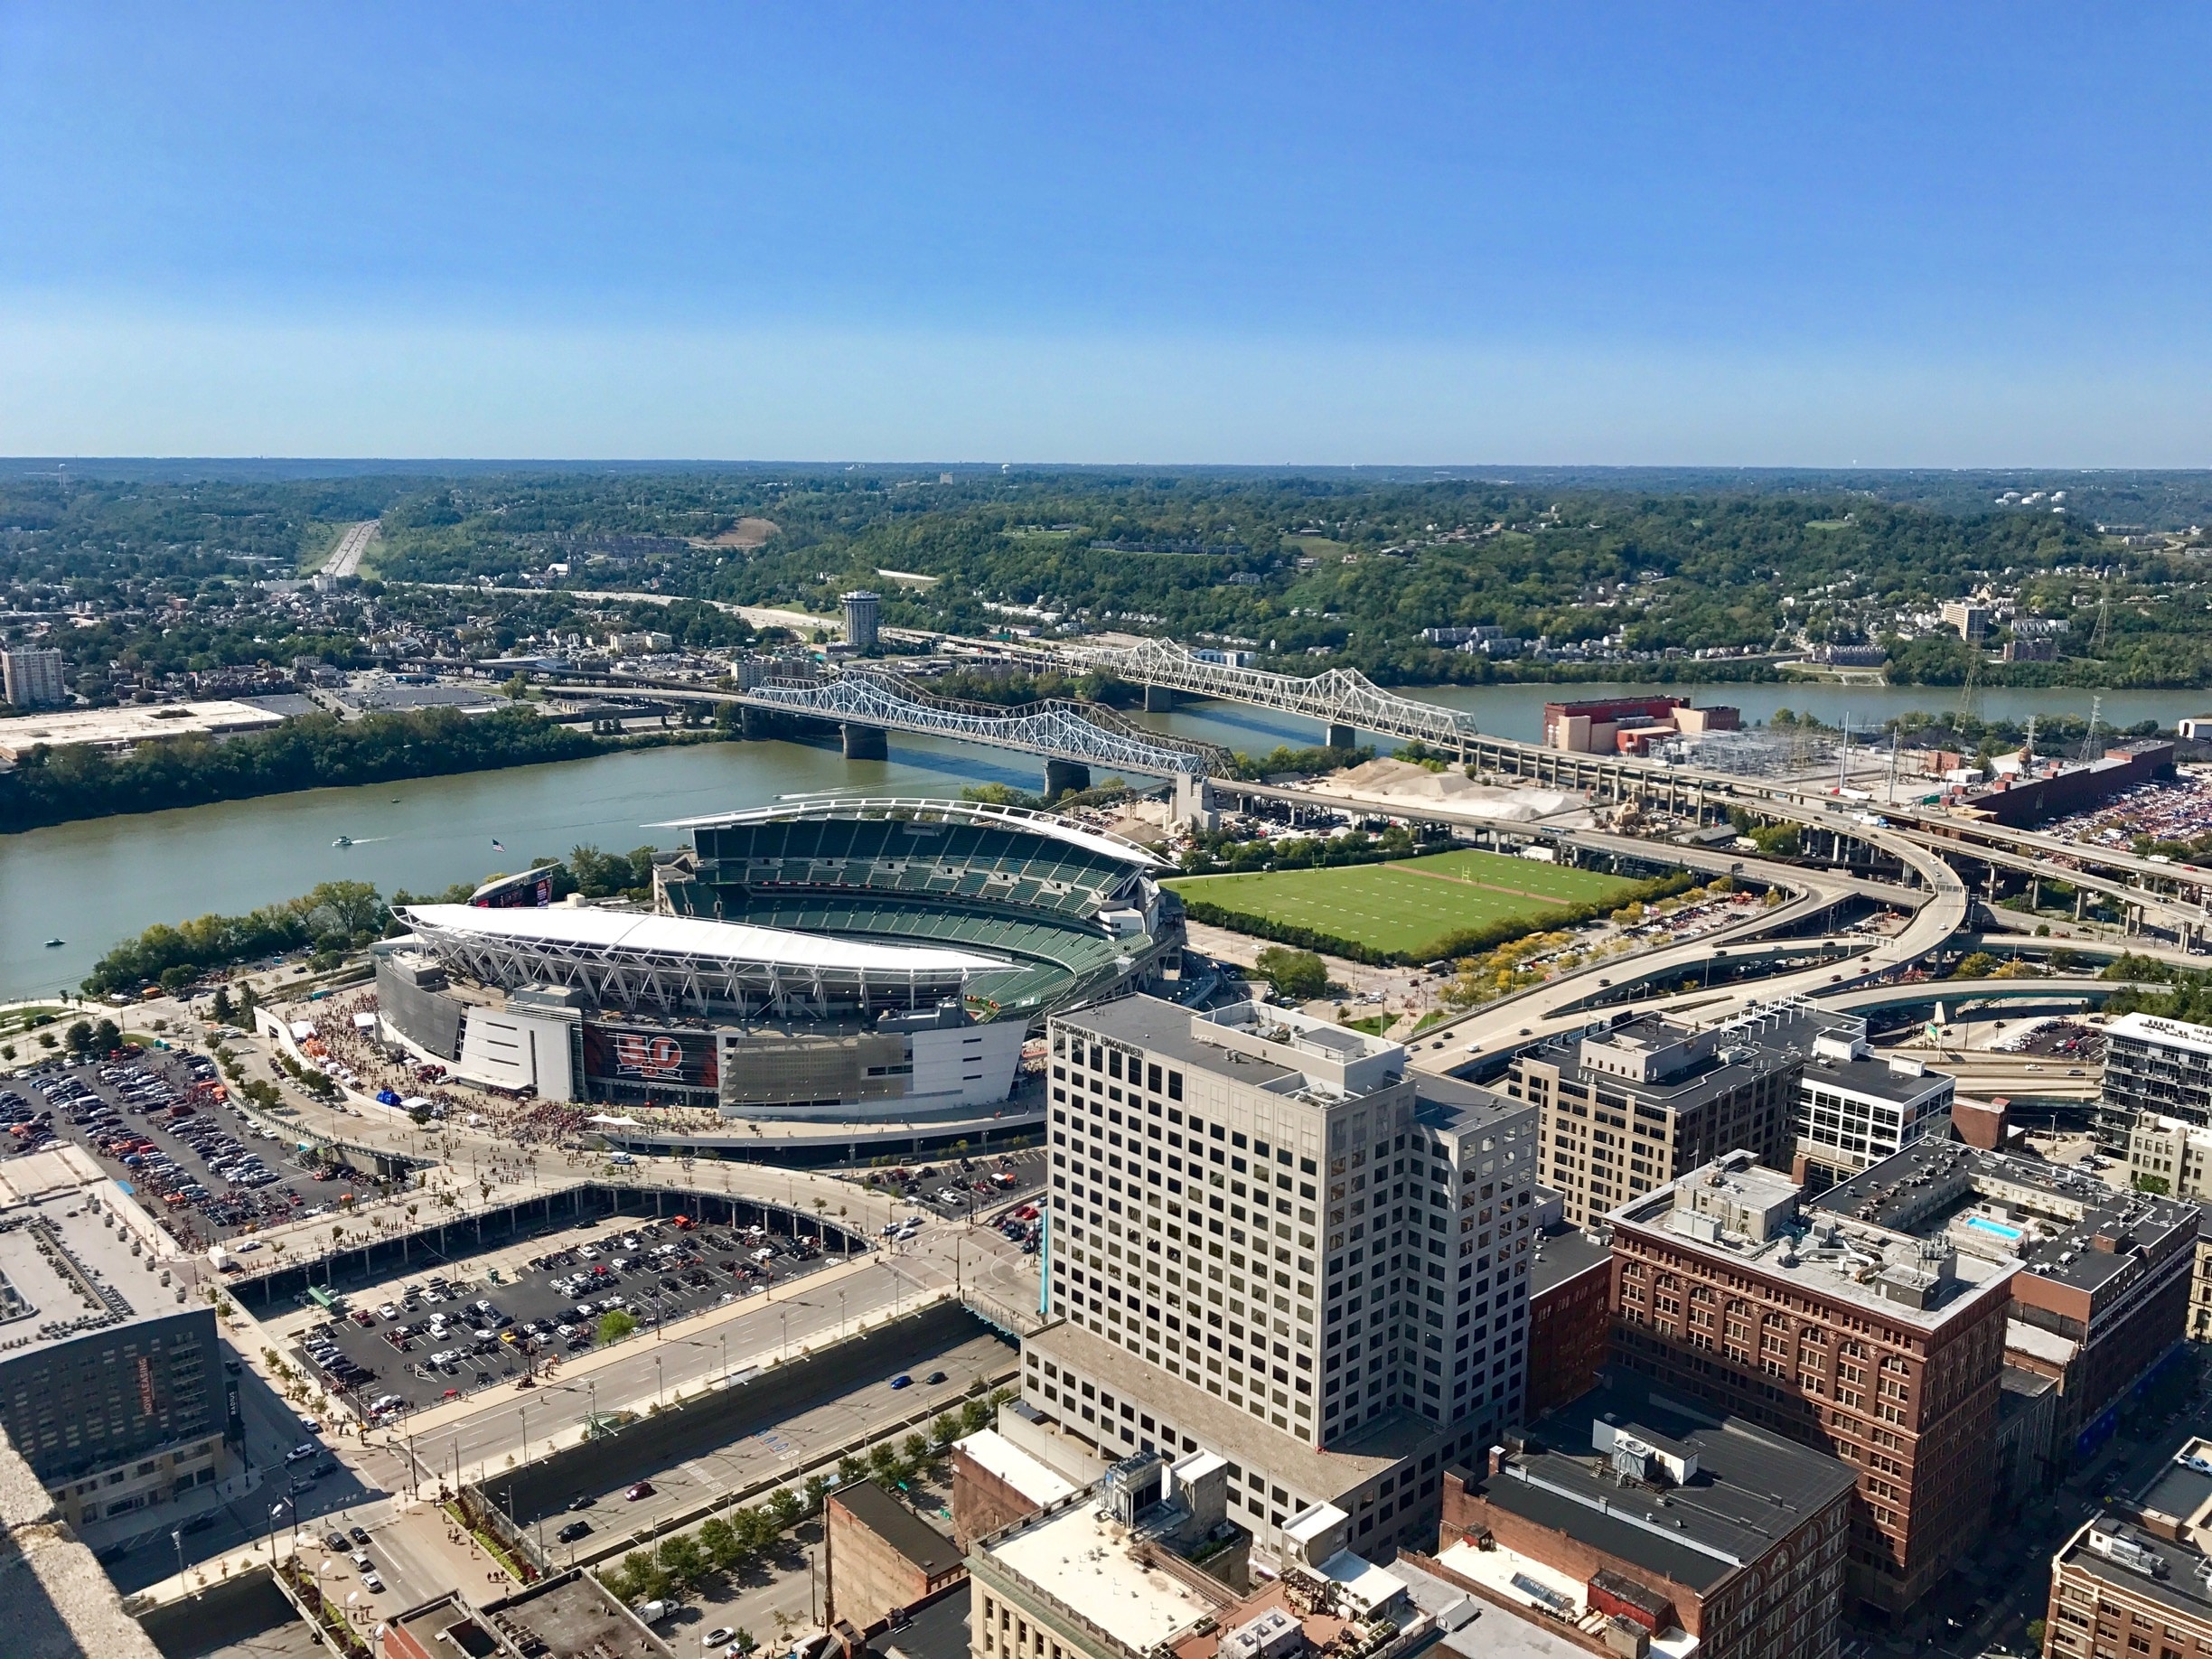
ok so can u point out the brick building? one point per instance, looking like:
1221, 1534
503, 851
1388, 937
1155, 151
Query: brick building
1849, 1338
1628, 1514
882, 1558
1570, 1317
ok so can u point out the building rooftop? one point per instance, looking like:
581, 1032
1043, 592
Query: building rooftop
1893, 1081
2137, 1562
67, 1260
1663, 1482
1212, 1422
116, 728
996, 1454
1677, 1068
2166, 1033
1735, 1211
575, 1619
1565, 1253
632, 933
1450, 1107
929, 1549
1083, 1560
2064, 1224
1278, 1050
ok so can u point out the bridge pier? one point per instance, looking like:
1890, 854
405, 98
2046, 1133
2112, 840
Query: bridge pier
1158, 700
866, 741
1064, 777
1341, 737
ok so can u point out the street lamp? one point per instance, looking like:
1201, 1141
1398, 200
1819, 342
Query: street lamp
657, 1384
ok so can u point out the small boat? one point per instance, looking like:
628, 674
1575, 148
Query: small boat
54, 944
344, 840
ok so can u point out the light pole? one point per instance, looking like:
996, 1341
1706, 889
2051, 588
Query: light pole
657, 1384
840, 1316
522, 1409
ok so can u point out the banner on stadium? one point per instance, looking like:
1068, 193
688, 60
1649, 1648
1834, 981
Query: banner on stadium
686, 1058
532, 889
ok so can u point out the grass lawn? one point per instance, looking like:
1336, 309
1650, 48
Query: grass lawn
1410, 905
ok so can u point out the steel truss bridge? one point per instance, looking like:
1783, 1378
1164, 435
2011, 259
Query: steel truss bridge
1083, 733
1342, 699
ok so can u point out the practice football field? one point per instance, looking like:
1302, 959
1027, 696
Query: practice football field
1414, 904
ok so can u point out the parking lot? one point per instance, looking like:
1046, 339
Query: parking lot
442, 1336
963, 1188
153, 1122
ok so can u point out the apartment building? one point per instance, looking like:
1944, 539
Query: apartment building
1625, 1109
1649, 1523
2120, 1587
1267, 1237
32, 678
2155, 1067
1875, 1346
2171, 1155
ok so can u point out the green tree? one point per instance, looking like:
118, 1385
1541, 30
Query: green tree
78, 1038
614, 1325
720, 1540
1301, 974
683, 1561
220, 1009
107, 1036
1975, 965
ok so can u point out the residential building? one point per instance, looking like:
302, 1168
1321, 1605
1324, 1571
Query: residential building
2170, 1155
1860, 1341
1970, 620
2162, 1067
1855, 1108
1625, 1110
32, 678
110, 1383
2200, 1286
1266, 1236
1629, 1512
1122, 1569
1570, 1317
860, 613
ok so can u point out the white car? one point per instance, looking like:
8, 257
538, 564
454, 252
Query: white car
370, 1581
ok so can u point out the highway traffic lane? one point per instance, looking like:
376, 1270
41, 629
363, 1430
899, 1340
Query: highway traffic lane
789, 1449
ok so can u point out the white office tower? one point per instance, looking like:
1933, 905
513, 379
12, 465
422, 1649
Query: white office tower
860, 608
1267, 1237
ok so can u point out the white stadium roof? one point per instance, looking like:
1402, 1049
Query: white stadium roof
926, 809
628, 933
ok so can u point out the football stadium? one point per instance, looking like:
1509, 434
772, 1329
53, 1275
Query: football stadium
822, 975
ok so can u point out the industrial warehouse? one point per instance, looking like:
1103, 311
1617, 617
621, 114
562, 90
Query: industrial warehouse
840, 965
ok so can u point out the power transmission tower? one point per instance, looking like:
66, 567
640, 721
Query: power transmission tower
2089, 749
2099, 636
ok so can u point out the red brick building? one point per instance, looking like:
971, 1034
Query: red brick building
1571, 1318
1862, 1341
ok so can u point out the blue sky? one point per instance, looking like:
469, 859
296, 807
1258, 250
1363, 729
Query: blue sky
1908, 235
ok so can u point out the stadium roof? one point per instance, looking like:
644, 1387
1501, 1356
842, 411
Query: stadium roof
628, 933
971, 812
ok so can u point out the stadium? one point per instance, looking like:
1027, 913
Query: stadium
831, 977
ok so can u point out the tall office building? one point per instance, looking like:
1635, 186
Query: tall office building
860, 608
1267, 1238
32, 678
1628, 1108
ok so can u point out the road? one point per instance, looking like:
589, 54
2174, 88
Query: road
346, 558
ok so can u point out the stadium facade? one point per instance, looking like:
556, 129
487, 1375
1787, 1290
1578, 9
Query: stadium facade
828, 963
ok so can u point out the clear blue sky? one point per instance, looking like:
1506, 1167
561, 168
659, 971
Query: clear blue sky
1766, 234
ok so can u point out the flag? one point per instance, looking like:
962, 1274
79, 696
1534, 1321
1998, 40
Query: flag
495, 846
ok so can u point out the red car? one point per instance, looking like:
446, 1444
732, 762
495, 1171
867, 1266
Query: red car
643, 1489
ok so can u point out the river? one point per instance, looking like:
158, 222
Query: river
92, 884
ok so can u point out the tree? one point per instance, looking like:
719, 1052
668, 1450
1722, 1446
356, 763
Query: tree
107, 1036
683, 1559
1976, 965
718, 1539
1301, 974
2035, 1633
616, 1325
220, 1010
78, 1036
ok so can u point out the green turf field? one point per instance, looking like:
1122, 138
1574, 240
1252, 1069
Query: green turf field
1410, 906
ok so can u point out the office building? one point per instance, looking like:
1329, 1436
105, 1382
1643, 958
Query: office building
880, 1561
1122, 1569
2154, 1067
1625, 1110
110, 1382
2170, 1155
1649, 1523
1268, 1237
860, 611
32, 678
1570, 1317
2119, 1587
1855, 1109
1861, 1341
